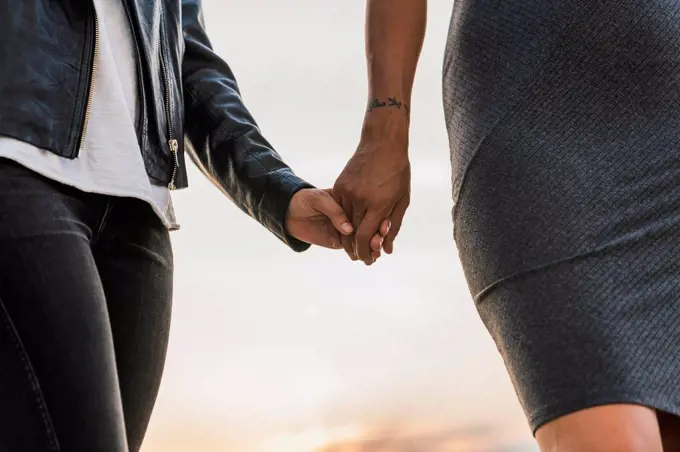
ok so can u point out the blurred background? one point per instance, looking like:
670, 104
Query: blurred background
272, 351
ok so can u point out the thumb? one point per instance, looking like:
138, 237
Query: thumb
325, 204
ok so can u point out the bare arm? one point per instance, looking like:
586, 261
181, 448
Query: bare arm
375, 184
395, 30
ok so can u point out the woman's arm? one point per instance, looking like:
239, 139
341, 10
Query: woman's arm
395, 30
224, 140
375, 184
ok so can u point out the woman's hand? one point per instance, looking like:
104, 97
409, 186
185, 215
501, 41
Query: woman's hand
375, 184
315, 218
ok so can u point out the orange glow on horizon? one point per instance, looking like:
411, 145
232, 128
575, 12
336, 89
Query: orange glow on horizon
342, 439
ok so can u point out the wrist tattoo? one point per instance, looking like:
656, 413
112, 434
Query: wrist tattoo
391, 102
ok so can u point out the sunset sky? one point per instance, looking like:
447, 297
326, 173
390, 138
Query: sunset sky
271, 351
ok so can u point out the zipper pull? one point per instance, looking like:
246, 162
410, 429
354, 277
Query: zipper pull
174, 147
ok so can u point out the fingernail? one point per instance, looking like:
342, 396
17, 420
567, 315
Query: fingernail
347, 227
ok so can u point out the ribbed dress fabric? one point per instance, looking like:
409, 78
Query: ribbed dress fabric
564, 128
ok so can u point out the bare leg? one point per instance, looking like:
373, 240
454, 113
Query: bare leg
610, 428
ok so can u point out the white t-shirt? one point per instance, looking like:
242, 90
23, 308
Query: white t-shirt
110, 162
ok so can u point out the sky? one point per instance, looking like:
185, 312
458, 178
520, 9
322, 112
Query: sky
273, 351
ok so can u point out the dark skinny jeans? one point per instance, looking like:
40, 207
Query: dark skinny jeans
85, 299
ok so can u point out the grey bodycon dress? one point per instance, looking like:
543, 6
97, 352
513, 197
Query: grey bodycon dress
564, 126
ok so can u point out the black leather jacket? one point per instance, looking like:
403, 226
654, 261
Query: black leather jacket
188, 98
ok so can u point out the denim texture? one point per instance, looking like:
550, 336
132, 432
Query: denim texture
85, 301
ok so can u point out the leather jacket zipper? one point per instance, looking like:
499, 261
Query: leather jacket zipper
172, 142
93, 73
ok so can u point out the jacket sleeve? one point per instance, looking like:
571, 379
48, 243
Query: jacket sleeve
223, 139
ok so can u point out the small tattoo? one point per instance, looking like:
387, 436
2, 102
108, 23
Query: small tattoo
391, 102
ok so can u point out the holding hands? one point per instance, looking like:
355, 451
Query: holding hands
372, 193
316, 218
373, 188
364, 210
